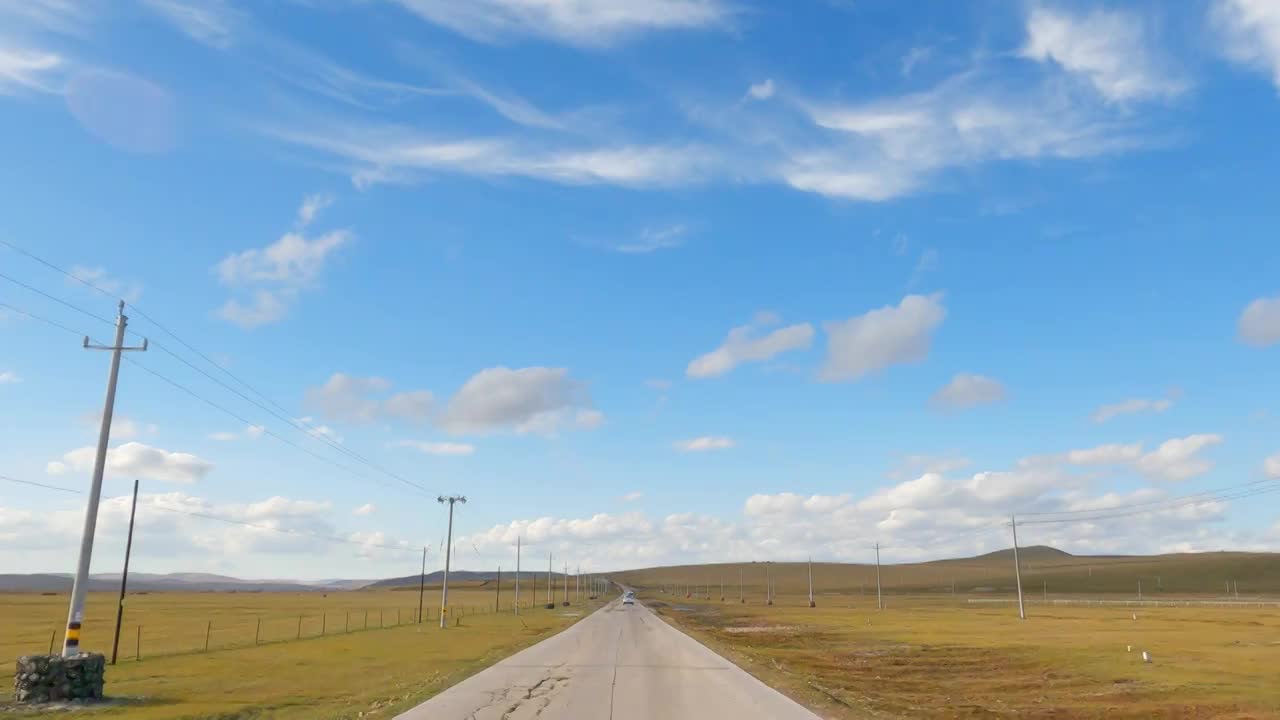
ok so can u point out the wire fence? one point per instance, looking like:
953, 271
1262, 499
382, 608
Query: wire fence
170, 637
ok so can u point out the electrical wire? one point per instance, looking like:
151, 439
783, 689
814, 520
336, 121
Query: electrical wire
231, 521
56, 299
299, 425
1150, 503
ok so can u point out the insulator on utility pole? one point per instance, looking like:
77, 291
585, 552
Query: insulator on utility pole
80, 586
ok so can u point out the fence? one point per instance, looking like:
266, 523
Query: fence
1081, 602
186, 637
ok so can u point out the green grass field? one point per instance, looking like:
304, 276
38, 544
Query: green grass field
930, 653
338, 669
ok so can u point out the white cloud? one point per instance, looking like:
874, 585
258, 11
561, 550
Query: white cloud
1109, 49
537, 400
1129, 407
292, 260
28, 69
967, 390
914, 57
98, 277
1271, 466
437, 448
267, 307
365, 509
311, 207
252, 432
1250, 30
1178, 459
320, 432
744, 344
762, 90
1112, 454
278, 272
705, 443
383, 153
134, 459
653, 239
1260, 322
347, 398
632, 496
8, 377
592, 24
210, 22
880, 338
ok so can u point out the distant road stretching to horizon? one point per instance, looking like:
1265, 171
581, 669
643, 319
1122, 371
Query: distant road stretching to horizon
621, 663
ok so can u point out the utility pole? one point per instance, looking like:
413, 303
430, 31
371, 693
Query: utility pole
497, 593
1017, 570
422, 582
564, 582
741, 599
124, 576
448, 555
811, 602
551, 587
879, 597
768, 586
721, 587
517, 574
75, 615
577, 584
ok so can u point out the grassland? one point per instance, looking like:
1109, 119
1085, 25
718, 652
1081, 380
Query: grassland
931, 653
347, 669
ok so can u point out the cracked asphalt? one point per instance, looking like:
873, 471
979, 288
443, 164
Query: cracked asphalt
620, 663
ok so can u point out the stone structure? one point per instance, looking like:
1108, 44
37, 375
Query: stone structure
50, 678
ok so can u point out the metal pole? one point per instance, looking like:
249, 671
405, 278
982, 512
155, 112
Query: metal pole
444, 592
75, 614
811, 602
517, 575
1017, 569
124, 576
879, 596
422, 582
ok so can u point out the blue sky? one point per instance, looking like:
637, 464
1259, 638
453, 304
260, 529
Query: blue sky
649, 281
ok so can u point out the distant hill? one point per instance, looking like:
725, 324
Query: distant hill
1031, 553
459, 576
153, 582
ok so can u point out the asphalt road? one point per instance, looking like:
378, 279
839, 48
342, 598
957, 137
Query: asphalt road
621, 663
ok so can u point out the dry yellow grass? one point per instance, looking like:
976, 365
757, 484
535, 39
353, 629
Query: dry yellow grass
939, 657
335, 675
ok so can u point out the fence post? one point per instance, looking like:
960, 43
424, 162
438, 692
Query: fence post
324, 623
346, 623
257, 631
365, 625
208, 628
380, 625
137, 655
397, 616
299, 628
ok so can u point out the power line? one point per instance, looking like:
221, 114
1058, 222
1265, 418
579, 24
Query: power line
236, 416
299, 425
1150, 503
1239, 494
56, 299
47, 321
232, 521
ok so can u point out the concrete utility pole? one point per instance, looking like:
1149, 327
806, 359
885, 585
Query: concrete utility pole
811, 602
517, 574
768, 586
448, 555
564, 581
1017, 570
124, 576
75, 615
741, 599
879, 597
721, 587
497, 593
422, 582
551, 586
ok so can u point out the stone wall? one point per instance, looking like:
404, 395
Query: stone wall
49, 678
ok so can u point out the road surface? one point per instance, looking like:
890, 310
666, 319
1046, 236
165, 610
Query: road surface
621, 663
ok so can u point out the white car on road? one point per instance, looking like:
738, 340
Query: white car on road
629, 598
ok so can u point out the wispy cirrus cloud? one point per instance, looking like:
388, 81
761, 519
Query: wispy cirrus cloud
588, 24
749, 343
